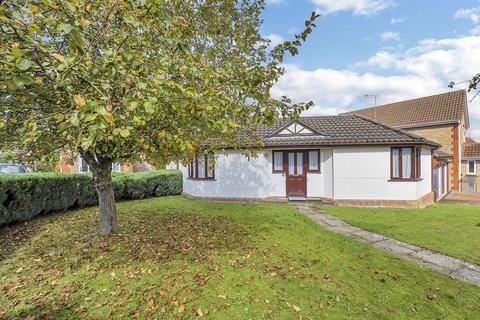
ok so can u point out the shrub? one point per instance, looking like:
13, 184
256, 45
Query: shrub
25, 196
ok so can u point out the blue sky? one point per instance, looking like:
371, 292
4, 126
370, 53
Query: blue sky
397, 49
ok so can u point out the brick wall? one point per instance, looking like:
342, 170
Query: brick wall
70, 164
448, 137
438, 134
421, 202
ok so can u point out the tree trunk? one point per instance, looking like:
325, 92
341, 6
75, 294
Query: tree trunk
102, 175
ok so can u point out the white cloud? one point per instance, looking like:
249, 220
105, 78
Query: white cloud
390, 35
275, 40
476, 30
398, 20
342, 89
382, 59
419, 71
472, 14
358, 7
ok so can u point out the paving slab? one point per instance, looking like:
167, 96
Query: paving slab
454, 267
345, 230
393, 247
468, 275
428, 265
440, 260
369, 237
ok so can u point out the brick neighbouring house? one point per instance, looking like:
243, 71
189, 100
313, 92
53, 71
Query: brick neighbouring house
442, 118
471, 166
78, 165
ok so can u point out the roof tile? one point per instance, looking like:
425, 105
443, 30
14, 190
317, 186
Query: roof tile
443, 107
471, 150
339, 130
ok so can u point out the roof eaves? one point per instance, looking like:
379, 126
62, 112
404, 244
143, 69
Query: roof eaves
346, 144
428, 124
465, 112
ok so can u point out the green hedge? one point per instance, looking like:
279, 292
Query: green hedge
25, 196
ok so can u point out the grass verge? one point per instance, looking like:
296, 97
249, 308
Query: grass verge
177, 258
451, 229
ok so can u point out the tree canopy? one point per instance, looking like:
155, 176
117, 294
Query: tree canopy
130, 79
122, 81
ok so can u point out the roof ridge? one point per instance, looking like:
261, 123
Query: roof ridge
407, 100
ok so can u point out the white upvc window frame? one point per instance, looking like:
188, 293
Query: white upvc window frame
80, 162
116, 167
474, 173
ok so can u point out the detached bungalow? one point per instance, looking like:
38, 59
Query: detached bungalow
347, 160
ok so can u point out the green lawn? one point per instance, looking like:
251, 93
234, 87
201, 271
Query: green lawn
448, 228
179, 259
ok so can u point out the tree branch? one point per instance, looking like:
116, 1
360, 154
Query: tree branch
91, 42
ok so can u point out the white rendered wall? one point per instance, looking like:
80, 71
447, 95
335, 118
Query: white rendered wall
364, 173
425, 185
320, 184
346, 173
236, 176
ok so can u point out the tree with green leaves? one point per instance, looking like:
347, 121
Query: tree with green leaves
472, 84
123, 81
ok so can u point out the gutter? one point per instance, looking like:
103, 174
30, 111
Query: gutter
362, 144
430, 124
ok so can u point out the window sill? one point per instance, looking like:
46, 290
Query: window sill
202, 179
405, 180
471, 174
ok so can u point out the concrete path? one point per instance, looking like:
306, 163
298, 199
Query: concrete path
461, 197
452, 266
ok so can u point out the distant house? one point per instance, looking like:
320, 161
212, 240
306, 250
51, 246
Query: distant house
347, 160
76, 164
442, 118
471, 166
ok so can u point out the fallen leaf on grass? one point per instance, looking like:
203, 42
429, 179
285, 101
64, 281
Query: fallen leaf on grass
391, 309
200, 312
151, 303
297, 309
326, 278
181, 309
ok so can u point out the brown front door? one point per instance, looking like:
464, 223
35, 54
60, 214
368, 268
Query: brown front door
296, 181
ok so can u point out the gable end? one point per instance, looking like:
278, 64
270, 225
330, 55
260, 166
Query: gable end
295, 128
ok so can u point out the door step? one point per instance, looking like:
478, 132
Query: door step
303, 199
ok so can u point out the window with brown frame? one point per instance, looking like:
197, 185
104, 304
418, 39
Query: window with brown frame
405, 163
312, 161
202, 168
277, 162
